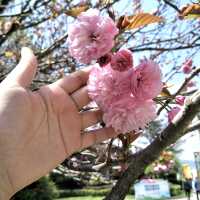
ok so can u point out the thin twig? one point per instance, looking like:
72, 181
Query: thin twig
172, 5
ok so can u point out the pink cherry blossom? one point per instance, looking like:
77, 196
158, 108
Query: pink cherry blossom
180, 100
191, 84
122, 60
128, 114
113, 91
91, 37
187, 66
146, 83
57, 8
106, 85
172, 113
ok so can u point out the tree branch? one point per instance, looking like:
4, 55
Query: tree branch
187, 80
168, 136
3, 4
22, 16
172, 5
193, 127
164, 49
56, 44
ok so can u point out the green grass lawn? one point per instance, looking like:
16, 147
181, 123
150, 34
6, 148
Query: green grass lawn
129, 197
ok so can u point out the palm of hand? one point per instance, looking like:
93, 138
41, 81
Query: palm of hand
37, 130
40, 129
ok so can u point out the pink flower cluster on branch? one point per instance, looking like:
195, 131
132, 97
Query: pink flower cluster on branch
126, 96
123, 92
91, 37
175, 110
187, 66
122, 60
146, 83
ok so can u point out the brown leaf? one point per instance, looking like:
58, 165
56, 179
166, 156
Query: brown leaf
142, 19
165, 92
123, 22
190, 11
138, 20
77, 10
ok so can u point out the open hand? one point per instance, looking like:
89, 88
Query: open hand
39, 129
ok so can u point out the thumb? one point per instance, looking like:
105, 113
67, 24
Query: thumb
24, 72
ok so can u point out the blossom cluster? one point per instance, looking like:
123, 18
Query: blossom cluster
123, 92
126, 96
176, 109
186, 68
91, 36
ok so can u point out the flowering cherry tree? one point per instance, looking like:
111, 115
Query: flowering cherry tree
145, 67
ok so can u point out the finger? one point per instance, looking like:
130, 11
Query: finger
97, 136
24, 72
81, 97
74, 81
90, 118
